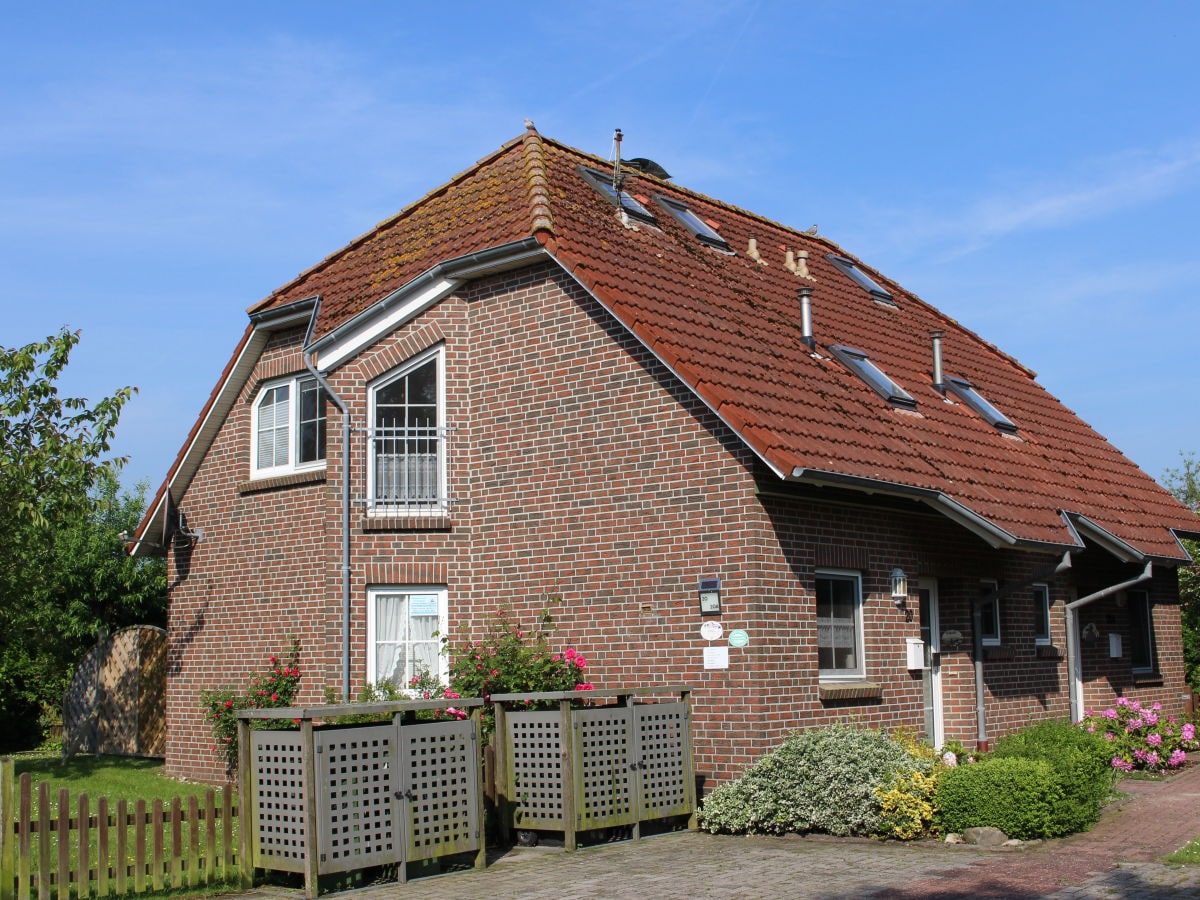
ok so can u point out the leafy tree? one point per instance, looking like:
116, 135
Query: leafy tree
1184, 483
62, 574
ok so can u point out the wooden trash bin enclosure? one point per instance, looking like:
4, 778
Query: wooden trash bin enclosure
322, 800
619, 760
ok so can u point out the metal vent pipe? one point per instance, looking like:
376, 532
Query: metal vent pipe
806, 331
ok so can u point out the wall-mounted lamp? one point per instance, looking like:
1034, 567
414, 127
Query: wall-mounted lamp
899, 588
709, 596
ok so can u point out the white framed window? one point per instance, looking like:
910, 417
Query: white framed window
989, 615
1141, 630
407, 471
287, 427
404, 629
1041, 614
839, 625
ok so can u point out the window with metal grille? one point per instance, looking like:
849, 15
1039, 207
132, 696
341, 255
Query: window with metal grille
407, 471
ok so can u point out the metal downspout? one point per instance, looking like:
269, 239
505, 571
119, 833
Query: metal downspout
1074, 663
345, 411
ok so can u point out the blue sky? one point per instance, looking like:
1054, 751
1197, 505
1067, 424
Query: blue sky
1033, 169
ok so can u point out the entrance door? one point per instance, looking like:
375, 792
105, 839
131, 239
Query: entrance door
931, 676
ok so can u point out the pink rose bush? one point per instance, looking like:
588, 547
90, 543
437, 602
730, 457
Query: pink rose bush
276, 687
1141, 737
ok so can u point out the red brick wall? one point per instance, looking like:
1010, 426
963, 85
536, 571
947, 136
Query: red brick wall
582, 470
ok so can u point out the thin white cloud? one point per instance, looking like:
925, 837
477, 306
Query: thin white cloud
1093, 190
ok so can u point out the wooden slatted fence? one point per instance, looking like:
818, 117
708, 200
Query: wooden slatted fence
114, 849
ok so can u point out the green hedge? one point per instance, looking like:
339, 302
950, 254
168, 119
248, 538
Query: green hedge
1016, 795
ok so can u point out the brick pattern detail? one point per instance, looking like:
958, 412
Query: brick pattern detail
379, 572
584, 470
281, 481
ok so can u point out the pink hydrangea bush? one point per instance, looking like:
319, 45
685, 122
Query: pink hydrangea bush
1142, 738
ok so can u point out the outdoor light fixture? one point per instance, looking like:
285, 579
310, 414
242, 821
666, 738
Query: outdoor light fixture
899, 588
709, 596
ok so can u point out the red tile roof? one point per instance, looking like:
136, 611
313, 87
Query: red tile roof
729, 327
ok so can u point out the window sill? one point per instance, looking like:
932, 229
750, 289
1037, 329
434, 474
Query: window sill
998, 653
1146, 678
841, 691
1047, 651
256, 485
427, 522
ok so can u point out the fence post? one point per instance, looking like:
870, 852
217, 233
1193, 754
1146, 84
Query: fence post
570, 778
312, 843
247, 805
8, 847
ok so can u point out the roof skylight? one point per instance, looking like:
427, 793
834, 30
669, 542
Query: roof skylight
616, 196
858, 363
962, 389
701, 230
861, 278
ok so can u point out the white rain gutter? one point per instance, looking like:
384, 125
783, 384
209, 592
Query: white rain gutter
1074, 663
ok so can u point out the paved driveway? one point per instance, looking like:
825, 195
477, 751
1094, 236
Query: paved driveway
1114, 860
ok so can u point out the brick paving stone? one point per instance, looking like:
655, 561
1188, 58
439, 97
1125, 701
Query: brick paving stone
1113, 860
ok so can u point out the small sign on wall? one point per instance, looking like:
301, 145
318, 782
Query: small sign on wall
716, 657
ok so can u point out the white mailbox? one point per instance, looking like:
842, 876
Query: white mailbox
1114, 645
916, 653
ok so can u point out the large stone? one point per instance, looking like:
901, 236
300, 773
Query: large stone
985, 836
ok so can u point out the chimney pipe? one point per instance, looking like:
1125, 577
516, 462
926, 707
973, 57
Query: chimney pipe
806, 332
939, 383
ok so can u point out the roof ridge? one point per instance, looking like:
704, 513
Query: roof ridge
390, 221
537, 181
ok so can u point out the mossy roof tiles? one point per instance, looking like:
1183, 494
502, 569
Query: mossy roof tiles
729, 328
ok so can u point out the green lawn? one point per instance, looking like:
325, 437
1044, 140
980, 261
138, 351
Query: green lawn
1188, 855
115, 777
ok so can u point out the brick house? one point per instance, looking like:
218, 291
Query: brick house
668, 412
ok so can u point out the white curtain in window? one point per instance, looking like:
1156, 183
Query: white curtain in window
390, 610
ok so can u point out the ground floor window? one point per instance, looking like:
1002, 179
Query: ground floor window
404, 628
1041, 614
839, 624
1141, 631
989, 615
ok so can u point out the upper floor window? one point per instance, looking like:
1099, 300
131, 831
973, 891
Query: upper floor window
861, 278
1041, 614
404, 628
604, 184
407, 471
963, 390
839, 625
701, 230
288, 427
860, 364
1141, 631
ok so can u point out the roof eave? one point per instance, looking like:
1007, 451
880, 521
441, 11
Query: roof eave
430, 287
989, 532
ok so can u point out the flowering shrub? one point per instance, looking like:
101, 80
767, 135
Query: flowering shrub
271, 689
1141, 737
512, 660
906, 806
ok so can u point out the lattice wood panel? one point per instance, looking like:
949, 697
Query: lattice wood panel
535, 758
356, 784
116, 703
278, 761
440, 787
663, 755
603, 751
